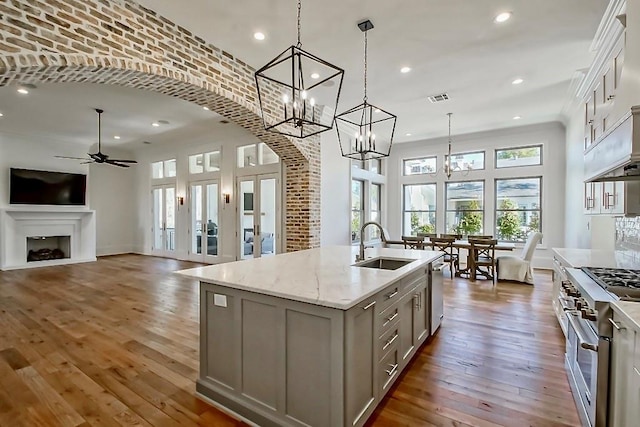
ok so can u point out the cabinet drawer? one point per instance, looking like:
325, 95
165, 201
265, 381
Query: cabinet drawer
389, 340
391, 295
388, 371
387, 319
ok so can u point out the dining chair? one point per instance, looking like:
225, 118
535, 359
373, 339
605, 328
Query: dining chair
451, 255
518, 268
483, 258
455, 236
413, 242
486, 236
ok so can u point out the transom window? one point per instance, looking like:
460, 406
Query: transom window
207, 162
163, 169
520, 156
419, 209
466, 161
256, 154
372, 165
517, 208
420, 166
465, 207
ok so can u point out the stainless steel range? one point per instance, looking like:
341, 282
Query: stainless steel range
585, 300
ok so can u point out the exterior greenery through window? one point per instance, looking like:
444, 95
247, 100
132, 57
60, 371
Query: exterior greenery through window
465, 207
522, 156
419, 209
357, 208
466, 161
374, 207
518, 208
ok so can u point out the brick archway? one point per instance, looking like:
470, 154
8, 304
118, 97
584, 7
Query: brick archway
120, 42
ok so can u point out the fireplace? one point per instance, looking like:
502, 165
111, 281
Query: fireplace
44, 248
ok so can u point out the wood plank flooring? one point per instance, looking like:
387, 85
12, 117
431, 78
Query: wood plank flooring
115, 343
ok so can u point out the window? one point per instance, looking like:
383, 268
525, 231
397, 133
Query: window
357, 208
419, 209
375, 210
466, 161
420, 166
163, 169
521, 156
465, 207
207, 162
517, 208
373, 165
256, 154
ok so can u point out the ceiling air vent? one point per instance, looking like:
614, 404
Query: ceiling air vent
438, 98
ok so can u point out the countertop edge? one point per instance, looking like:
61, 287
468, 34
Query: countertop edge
419, 263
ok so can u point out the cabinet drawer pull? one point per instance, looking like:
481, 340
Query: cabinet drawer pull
390, 319
392, 294
393, 369
390, 341
441, 316
368, 306
615, 325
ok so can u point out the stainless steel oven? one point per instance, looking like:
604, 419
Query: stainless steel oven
559, 301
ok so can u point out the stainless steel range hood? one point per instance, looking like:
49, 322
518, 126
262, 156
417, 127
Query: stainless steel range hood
616, 155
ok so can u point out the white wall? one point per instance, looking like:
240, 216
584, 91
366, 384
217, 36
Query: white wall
550, 135
335, 193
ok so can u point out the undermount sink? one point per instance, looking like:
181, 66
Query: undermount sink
384, 263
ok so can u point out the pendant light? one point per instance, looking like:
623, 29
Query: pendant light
447, 158
365, 132
307, 90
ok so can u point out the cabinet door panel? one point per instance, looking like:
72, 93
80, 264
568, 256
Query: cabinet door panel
220, 346
407, 322
421, 316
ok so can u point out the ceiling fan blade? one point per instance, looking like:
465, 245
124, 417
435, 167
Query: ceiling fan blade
123, 161
72, 158
114, 163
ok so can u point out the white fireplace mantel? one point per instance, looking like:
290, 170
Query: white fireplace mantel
16, 224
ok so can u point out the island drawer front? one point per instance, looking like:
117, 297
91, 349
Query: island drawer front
388, 341
388, 371
387, 319
392, 294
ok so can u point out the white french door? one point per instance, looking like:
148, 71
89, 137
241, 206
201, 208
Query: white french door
163, 212
260, 215
205, 220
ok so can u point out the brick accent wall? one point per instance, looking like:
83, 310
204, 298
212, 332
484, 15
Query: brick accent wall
120, 42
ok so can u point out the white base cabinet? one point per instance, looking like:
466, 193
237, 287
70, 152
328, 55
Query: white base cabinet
624, 381
280, 362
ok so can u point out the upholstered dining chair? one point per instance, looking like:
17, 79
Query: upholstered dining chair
518, 268
483, 257
451, 256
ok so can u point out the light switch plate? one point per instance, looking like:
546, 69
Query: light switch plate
220, 300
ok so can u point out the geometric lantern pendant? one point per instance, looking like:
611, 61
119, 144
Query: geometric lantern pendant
307, 89
365, 132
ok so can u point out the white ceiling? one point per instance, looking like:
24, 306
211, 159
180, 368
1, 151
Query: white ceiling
452, 46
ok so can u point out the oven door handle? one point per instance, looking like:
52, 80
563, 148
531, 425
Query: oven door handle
562, 303
582, 341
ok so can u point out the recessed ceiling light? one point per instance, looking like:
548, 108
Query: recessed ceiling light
315, 75
1, 115
408, 134
502, 17
205, 108
405, 70
516, 117
155, 124
258, 36
116, 137
23, 91
517, 81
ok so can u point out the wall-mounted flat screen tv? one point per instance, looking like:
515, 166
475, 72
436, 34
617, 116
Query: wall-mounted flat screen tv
34, 187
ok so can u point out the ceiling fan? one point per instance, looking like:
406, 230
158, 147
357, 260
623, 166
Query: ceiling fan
99, 157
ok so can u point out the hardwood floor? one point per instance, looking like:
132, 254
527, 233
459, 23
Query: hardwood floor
116, 343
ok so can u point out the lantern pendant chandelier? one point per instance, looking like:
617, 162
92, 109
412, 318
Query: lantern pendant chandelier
306, 90
449, 165
365, 132
447, 158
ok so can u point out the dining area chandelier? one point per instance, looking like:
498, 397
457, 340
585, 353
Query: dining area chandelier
306, 89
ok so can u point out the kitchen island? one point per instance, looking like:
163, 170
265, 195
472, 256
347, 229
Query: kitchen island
309, 338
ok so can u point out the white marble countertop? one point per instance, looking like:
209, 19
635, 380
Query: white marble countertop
577, 258
630, 312
322, 276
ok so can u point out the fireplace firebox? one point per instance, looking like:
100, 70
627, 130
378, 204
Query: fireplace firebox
43, 248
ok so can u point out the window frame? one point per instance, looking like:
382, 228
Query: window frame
483, 210
404, 203
462, 153
375, 186
495, 156
404, 169
356, 238
164, 172
497, 210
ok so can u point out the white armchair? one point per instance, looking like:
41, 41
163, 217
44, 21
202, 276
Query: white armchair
518, 268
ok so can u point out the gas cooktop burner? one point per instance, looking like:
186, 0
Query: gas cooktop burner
619, 281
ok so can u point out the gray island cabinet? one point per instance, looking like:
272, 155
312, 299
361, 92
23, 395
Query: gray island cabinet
307, 338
